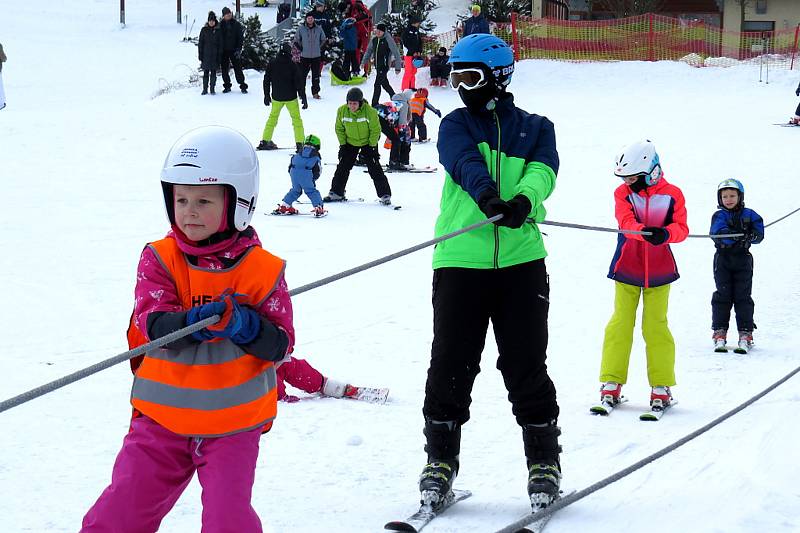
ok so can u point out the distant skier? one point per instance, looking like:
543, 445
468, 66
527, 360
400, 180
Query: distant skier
283, 84
643, 266
418, 104
304, 170
383, 47
733, 264
494, 273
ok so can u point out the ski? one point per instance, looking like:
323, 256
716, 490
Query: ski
537, 526
426, 514
604, 408
786, 124
409, 170
309, 214
367, 394
656, 412
360, 201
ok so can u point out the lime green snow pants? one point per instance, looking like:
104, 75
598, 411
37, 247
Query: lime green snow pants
660, 346
294, 113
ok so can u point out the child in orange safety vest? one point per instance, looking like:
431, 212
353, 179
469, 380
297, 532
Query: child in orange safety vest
201, 402
418, 105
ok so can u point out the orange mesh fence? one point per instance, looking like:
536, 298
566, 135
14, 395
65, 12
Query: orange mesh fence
641, 38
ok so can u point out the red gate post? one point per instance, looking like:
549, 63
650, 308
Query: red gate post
122, 12
514, 37
238, 9
650, 51
794, 50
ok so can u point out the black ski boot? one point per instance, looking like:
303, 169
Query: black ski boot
299, 147
443, 446
544, 468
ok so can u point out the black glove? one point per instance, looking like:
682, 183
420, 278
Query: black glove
492, 205
797, 92
438, 113
305, 104
267, 101
520, 209
659, 235
370, 152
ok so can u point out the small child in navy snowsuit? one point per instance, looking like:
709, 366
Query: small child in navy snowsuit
733, 264
304, 170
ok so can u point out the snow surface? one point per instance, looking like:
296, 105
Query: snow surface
82, 143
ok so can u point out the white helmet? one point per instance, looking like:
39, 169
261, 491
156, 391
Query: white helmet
639, 159
214, 155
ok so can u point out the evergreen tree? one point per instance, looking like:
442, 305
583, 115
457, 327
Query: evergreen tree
259, 48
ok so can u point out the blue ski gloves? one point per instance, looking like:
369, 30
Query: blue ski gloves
515, 212
196, 314
659, 235
238, 323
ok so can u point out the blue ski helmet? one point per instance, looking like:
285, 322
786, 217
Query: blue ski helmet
730, 184
487, 50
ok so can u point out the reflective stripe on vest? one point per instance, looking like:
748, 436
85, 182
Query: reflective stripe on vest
213, 388
417, 105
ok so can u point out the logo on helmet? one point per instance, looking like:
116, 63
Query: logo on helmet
207, 180
188, 152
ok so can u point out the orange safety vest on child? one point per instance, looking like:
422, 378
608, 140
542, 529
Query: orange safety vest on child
213, 388
417, 104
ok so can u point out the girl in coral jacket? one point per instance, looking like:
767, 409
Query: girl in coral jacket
201, 402
643, 264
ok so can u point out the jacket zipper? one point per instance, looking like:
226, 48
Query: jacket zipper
646, 244
497, 179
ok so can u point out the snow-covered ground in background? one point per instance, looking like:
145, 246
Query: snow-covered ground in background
81, 147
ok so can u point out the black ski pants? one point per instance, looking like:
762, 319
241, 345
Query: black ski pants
516, 301
228, 59
314, 65
209, 75
418, 123
733, 275
350, 62
347, 158
797, 111
381, 80
400, 152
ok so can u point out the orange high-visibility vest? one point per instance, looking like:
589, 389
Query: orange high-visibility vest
417, 105
213, 388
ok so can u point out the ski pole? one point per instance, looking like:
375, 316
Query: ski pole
188, 330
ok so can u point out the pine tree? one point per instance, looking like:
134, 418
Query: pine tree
259, 48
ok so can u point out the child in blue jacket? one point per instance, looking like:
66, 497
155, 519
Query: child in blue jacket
304, 170
733, 265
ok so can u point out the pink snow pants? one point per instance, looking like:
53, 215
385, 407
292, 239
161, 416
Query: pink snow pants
155, 465
298, 373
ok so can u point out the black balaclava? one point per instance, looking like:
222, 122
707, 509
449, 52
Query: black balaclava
639, 185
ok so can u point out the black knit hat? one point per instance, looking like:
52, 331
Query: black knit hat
380, 27
212, 16
225, 10
443, 49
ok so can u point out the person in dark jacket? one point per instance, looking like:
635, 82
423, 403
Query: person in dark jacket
498, 160
232, 43
412, 41
310, 39
476, 23
209, 51
383, 47
284, 10
440, 70
322, 19
347, 31
733, 264
285, 78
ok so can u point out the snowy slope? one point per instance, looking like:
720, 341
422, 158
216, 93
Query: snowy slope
81, 145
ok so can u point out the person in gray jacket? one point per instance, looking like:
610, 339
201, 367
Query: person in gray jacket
309, 39
383, 47
2, 92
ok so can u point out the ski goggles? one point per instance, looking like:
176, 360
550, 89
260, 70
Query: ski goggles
468, 78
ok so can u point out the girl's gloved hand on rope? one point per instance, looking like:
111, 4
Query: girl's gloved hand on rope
239, 323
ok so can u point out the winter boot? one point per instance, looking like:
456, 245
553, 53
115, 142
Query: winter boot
333, 388
205, 91
315, 96
610, 392
745, 342
443, 447
318, 211
385, 200
544, 468
795, 120
298, 147
333, 197
720, 338
660, 396
226, 89
266, 145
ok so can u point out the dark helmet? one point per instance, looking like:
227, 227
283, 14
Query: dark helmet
355, 95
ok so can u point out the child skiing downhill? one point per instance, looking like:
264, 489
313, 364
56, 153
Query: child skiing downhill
494, 273
418, 104
304, 169
733, 265
643, 265
201, 402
